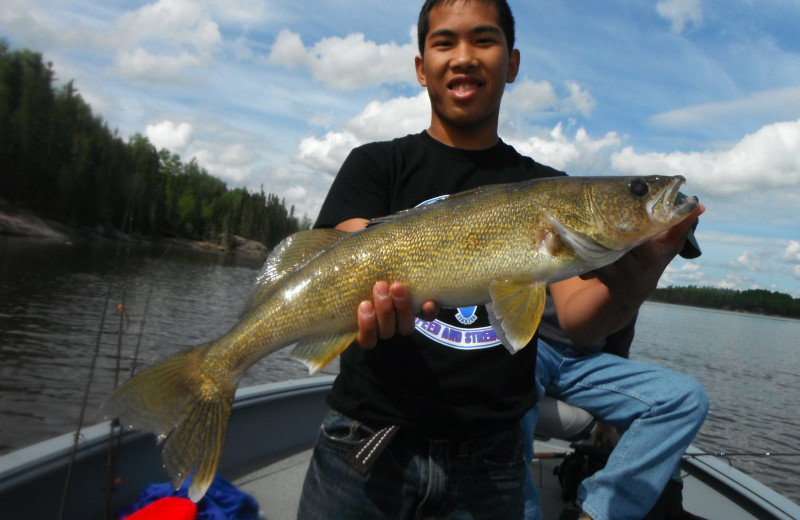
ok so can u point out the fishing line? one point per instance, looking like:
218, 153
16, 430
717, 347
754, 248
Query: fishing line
127, 221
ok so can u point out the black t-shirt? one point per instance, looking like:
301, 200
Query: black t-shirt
452, 378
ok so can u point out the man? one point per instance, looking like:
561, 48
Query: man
419, 428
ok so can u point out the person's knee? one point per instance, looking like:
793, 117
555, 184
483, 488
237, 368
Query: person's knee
694, 398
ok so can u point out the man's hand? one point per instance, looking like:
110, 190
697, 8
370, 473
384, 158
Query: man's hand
390, 312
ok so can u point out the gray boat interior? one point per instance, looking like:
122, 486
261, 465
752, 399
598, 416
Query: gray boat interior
266, 452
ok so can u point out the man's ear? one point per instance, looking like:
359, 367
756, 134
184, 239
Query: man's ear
419, 64
513, 66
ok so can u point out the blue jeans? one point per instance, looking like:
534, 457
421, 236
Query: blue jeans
659, 410
414, 477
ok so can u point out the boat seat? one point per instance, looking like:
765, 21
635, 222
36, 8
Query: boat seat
560, 420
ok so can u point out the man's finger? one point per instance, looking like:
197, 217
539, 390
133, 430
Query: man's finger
367, 326
384, 310
404, 313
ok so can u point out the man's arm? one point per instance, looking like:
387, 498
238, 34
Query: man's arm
595, 305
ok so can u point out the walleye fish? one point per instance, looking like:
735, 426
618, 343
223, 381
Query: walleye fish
499, 244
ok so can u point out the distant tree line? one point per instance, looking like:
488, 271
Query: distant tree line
60, 161
756, 301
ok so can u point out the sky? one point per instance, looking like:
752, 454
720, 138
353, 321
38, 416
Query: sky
275, 93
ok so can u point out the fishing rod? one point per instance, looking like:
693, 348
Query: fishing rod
720, 454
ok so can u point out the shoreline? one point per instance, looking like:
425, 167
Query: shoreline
18, 223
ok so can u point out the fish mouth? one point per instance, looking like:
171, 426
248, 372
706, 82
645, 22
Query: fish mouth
672, 205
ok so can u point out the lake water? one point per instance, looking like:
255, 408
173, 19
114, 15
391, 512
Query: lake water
55, 298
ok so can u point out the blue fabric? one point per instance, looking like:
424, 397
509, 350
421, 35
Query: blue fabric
222, 501
414, 477
659, 410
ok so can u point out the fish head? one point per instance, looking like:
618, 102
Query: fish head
614, 214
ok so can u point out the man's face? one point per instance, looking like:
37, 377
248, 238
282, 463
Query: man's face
466, 66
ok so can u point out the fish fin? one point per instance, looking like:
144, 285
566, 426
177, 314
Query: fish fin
467, 195
315, 353
176, 402
515, 311
590, 251
290, 255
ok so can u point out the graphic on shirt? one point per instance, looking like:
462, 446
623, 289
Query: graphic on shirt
466, 315
462, 338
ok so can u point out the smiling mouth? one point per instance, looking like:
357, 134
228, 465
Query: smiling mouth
465, 87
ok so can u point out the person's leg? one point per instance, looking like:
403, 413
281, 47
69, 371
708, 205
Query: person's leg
333, 489
548, 363
660, 410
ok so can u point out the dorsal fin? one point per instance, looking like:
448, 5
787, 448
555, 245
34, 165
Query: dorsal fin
430, 205
291, 254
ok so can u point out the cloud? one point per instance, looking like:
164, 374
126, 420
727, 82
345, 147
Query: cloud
580, 155
792, 253
378, 121
166, 134
140, 65
748, 262
529, 96
778, 104
687, 274
580, 99
792, 256
680, 13
347, 63
764, 159
157, 42
234, 164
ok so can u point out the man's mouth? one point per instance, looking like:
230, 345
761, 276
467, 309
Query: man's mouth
465, 87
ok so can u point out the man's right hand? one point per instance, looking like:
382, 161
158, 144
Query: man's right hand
390, 312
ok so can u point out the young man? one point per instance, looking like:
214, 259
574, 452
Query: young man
421, 427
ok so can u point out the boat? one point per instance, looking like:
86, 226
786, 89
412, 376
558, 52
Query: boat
268, 445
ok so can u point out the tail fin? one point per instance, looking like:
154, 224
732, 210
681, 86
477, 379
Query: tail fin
177, 402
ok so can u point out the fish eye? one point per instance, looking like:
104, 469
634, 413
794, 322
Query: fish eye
638, 187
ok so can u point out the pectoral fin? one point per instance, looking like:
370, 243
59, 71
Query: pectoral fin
516, 311
315, 353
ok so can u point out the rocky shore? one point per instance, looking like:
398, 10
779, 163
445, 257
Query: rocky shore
20, 223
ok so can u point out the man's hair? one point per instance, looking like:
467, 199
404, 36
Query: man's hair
504, 18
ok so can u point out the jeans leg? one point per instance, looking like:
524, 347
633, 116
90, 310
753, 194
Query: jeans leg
332, 489
487, 477
414, 478
661, 411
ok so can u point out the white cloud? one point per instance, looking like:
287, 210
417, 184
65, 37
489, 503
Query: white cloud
166, 134
140, 65
778, 104
749, 262
767, 158
159, 41
687, 274
529, 96
378, 121
347, 63
234, 164
580, 98
792, 253
580, 155
680, 13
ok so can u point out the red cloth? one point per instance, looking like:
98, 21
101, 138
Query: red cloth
167, 508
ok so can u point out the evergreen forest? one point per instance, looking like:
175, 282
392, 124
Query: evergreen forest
61, 161
755, 301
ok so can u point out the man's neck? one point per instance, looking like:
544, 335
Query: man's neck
457, 138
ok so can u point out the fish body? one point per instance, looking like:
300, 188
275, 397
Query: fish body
497, 245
